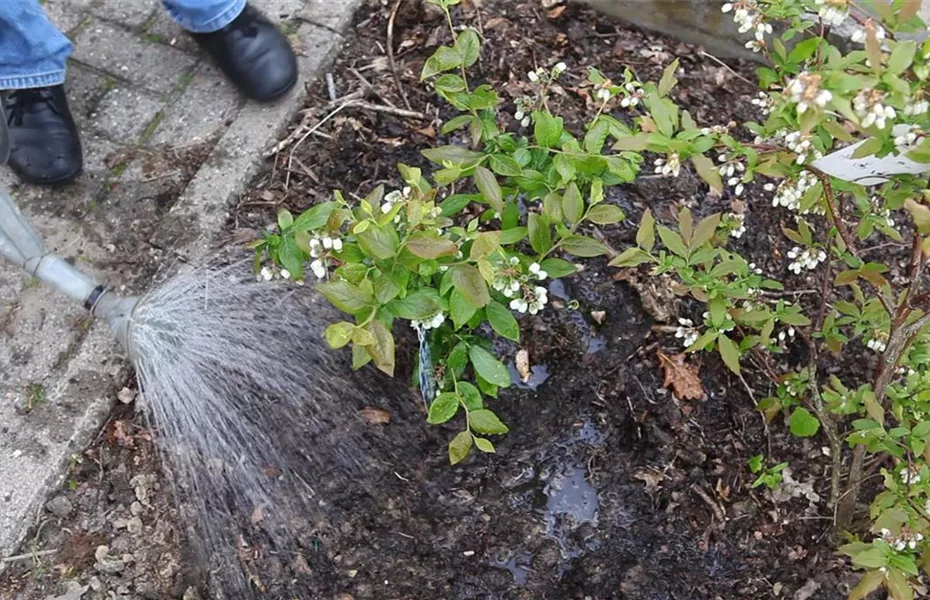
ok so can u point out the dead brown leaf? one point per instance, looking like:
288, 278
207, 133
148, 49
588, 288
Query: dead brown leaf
118, 435
375, 416
650, 477
598, 316
681, 377
556, 12
258, 515
523, 365
496, 23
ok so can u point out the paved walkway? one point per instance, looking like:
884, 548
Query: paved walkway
167, 144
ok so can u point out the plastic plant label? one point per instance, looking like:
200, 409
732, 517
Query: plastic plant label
869, 170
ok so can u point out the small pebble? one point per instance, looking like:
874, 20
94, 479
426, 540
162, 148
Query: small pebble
60, 506
136, 508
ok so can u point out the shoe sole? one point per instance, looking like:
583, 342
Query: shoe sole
58, 181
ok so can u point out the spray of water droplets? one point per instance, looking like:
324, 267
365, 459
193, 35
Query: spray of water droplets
256, 417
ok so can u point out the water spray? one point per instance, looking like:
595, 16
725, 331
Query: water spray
256, 418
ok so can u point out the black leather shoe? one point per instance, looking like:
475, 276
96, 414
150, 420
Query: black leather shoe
254, 55
45, 147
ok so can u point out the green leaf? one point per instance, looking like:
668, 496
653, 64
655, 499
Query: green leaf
755, 463
547, 129
461, 308
867, 148
672, 241
596, 136
705, 169
596, 195
485, 421
503, 321
489, 188
443, 408
444, 59
484, 445
459, 122
452, 154
430, 247
898, 586
486, 365
583, 246
803, 423
419, 305
468, 280
486, 243
668, 80
606, 214
338, 334
705, 230
378, 242
729, 352
505, 165
360, 357
513, 235
470, 395
285, 219
572, 204
556, 267
804, 50
631, 257
868, 584
459, 447
468, 45
456, 203
291, 256
345, 296
540, 233
901, 57
382, 351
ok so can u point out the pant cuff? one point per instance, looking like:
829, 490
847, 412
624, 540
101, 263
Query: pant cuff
216, 23
22, 82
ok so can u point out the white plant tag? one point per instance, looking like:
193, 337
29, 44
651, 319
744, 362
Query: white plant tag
869, 170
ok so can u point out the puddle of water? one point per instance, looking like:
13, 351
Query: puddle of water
538, 375
517, 565
571, 495
557, 289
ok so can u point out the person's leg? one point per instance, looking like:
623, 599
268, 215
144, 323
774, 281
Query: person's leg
44, 143
203, 16
249, 49
33, 53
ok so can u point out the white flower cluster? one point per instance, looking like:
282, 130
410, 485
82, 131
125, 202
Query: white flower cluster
525, 295
905, 539
909, 475
729, 169
805, 90
431, 323
789, 193
905, 142
319, 246
746, 14
269, 273
635, 94
870, 110
532, 301
716, 130
393, 198
525, 105
787, 334
738, 224
807, 258
879, 209
879, 345
917, 108
833, 12
801, 144
544, 76
860, 34
687, 332
672, 166
765, 103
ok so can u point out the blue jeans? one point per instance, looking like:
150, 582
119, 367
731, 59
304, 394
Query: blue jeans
34, 53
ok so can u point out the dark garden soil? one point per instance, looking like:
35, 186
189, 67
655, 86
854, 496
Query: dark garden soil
608, 486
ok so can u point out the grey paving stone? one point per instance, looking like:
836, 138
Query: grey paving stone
131, 13
125, 113
164, 30
118, 52
209, 102
64, 14
326, 13
85, 88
